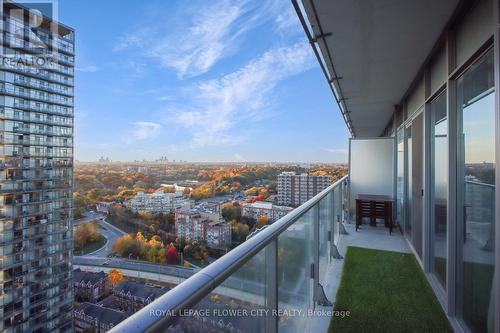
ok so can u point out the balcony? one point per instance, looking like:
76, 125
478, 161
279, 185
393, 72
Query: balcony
423, 111
292, 266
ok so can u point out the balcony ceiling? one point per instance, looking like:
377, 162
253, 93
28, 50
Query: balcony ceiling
377, 47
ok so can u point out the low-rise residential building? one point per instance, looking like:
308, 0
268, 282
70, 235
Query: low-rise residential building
260, 208
90, 317
158, 202
218, 234
203, 226
131, 296
103, 207
295, 190
89, 286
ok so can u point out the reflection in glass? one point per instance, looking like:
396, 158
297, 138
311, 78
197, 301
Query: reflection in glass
326, 219
476, 139
400, 175
409, 195
243, 292
440, 186
294, 279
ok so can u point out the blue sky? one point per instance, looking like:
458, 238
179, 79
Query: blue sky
199, 81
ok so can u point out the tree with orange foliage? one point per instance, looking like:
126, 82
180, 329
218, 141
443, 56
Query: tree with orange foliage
140, 238
155, 241
263, 219
121, 243
115, 277
172, 255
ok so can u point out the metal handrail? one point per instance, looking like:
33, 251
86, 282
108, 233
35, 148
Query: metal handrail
478, 183
201, 284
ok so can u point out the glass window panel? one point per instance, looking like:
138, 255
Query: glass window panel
409, 190
476, 209
439, 178
400, 176
294, 278
340, 194
326, 222
237, 305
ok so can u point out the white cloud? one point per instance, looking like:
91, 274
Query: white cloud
88, 69
287, 20
142, 130
218, 106
208, 33
214, 30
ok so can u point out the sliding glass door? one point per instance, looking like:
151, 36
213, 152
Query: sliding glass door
414, 182
400, 176
439, 187
476, 193
409, 184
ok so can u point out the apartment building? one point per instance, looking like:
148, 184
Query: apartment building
131, 296
158, 202
89, 286
294, 190
203, 226
94, 318
36, 171
257, 209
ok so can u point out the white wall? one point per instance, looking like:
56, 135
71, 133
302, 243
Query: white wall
371, 168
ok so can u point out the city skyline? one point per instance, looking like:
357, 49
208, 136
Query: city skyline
220, 85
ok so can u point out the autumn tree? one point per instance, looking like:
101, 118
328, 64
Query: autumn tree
239, 231
231, 211
172, 256
263, 220
80, 202
85, 234
115, 277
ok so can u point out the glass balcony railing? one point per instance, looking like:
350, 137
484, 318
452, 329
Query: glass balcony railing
279, 268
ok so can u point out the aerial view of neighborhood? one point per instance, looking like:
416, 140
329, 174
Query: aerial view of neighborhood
142, 227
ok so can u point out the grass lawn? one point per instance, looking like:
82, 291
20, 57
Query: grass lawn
386, 292
90, 247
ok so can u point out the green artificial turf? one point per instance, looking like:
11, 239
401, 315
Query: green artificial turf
386, 292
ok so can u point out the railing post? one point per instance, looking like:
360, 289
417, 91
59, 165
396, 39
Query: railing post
319, 296
336, 221
341, 198
315, 270
272, 286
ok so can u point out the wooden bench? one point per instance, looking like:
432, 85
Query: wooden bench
375, 207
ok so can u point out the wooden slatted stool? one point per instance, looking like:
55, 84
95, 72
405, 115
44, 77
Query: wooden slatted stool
375, 207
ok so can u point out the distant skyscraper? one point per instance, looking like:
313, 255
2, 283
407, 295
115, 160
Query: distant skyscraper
294, 190
36, 171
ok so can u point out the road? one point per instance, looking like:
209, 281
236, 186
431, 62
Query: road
88, 217
110, 232
137, 265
